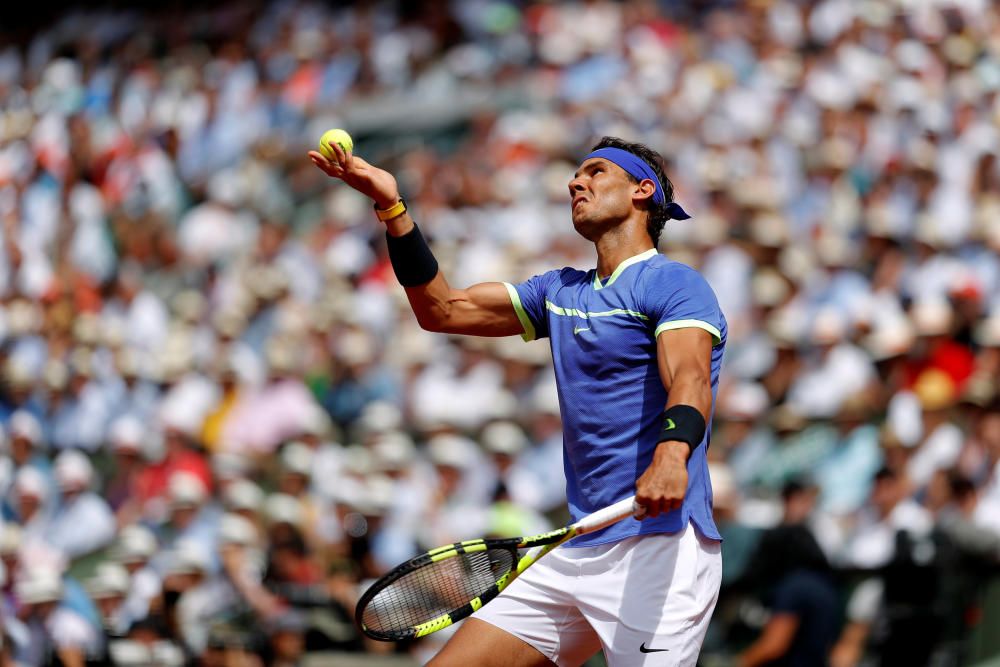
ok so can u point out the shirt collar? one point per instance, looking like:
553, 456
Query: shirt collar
641, 257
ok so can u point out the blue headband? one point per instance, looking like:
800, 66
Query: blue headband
637, 168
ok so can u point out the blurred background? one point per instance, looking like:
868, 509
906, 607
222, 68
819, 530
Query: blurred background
220, 420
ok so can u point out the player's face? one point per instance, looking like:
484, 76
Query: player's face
601, 195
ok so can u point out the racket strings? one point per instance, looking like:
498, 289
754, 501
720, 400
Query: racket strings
436, 589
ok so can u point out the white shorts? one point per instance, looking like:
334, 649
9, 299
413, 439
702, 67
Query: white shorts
645, 601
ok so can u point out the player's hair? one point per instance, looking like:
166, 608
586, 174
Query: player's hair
657, 212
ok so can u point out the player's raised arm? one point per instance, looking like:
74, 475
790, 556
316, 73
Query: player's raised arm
481, 310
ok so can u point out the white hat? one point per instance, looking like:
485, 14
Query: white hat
393, 450
73, 470
375, 496
296, 457
10, 539
504, 437
135, 543
230, 465
129, 653
235, 529
769, 287
829, 326
451, 450
357, 460
283, 508
932, 317
724, 489
243, 494
319, 424
25, 425
380, 416
987, 333
110, 580
746, 400
126, 433
39, 585
30, 482
186, 490
356, 347
545, 398
19, 374
188, 557
892, 339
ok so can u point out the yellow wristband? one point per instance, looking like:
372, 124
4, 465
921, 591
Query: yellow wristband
394, 211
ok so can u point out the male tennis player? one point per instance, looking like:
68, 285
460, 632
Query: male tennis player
637, 345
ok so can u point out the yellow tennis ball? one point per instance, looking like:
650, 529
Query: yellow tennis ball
336, 136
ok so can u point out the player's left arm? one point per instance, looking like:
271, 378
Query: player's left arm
684, 357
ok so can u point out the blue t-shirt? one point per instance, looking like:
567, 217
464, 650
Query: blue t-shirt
603, 340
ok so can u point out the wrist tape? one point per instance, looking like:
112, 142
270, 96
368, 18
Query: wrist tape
411, 258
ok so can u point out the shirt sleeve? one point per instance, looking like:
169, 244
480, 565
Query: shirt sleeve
680, 298
528, 299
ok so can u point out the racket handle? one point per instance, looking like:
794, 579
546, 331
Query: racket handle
607, 516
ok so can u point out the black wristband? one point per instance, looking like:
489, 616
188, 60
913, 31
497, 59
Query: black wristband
412, 260
684, 424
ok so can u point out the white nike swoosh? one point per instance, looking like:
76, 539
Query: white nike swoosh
577, 330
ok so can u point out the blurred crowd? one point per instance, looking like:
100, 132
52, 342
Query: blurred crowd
220, 420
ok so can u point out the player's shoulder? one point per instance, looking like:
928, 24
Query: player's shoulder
660, 267
569, 275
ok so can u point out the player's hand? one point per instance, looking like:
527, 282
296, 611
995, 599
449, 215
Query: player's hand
369, 180
662, 486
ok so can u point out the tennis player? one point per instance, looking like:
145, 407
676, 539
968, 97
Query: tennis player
637, 345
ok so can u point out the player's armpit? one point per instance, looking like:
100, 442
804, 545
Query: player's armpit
481, 310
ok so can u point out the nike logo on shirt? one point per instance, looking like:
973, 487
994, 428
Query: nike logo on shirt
577, 330
643, 649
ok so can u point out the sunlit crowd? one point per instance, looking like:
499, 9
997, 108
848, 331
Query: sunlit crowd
220, 420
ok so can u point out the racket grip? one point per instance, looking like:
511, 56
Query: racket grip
607, 516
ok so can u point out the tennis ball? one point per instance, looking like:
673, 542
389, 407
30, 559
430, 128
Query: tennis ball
336, 136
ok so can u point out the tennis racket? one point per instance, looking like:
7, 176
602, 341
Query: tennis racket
444, 585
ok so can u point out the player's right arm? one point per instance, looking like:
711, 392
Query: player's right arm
481, 310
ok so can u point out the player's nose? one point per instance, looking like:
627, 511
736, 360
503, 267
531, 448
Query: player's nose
576, 185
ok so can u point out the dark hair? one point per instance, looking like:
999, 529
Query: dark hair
657, 212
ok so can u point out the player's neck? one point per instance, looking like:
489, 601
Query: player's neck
615, 247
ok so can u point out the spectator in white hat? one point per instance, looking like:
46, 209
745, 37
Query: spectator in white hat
459, 509
33, 503
127, 440
135, 548
744, 431
936, 346
838, 368
55, 630
108, 588
83, 521
506, 442
192, 520
84, 407
193, 593
180, 456
324, 438
244, 498
26, 446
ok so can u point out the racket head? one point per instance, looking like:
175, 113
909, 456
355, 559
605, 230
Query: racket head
445, 585
436, 589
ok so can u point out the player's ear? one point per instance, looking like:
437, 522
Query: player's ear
643, 191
